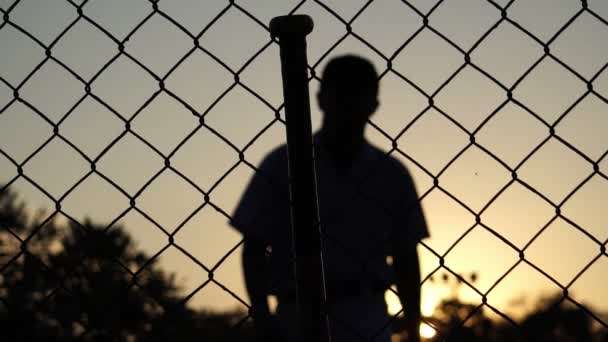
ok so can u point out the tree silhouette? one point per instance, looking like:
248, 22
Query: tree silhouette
79, 281
556, 319
553, 318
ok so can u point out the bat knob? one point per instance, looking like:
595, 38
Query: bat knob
291, 26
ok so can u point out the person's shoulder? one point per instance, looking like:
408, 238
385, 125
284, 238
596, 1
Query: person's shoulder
276, 155
391, 166
275, 161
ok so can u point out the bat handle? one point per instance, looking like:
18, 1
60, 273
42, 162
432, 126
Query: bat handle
312, 323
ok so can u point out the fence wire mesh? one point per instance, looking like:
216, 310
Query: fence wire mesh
119, 48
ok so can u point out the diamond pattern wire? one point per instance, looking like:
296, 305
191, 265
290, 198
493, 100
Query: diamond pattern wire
156, 10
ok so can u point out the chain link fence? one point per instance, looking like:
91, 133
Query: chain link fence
426, 92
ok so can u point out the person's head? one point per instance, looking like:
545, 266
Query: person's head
347, 98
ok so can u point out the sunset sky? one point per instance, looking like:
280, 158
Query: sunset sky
548, 91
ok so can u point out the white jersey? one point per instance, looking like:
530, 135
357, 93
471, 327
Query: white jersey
365, 210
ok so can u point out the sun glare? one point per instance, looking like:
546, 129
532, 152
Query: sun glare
392, 302
427, 331
394, 305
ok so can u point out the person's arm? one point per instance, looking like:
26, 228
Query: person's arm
407, 272
254, 270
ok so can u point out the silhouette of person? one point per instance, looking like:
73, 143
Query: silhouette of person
369, 211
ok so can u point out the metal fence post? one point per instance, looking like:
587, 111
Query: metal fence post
312, 324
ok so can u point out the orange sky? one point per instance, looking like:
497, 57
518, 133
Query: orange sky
474, 178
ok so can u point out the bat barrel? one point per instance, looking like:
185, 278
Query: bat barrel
291, 26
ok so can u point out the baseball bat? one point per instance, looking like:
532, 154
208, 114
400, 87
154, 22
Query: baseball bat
312, 322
